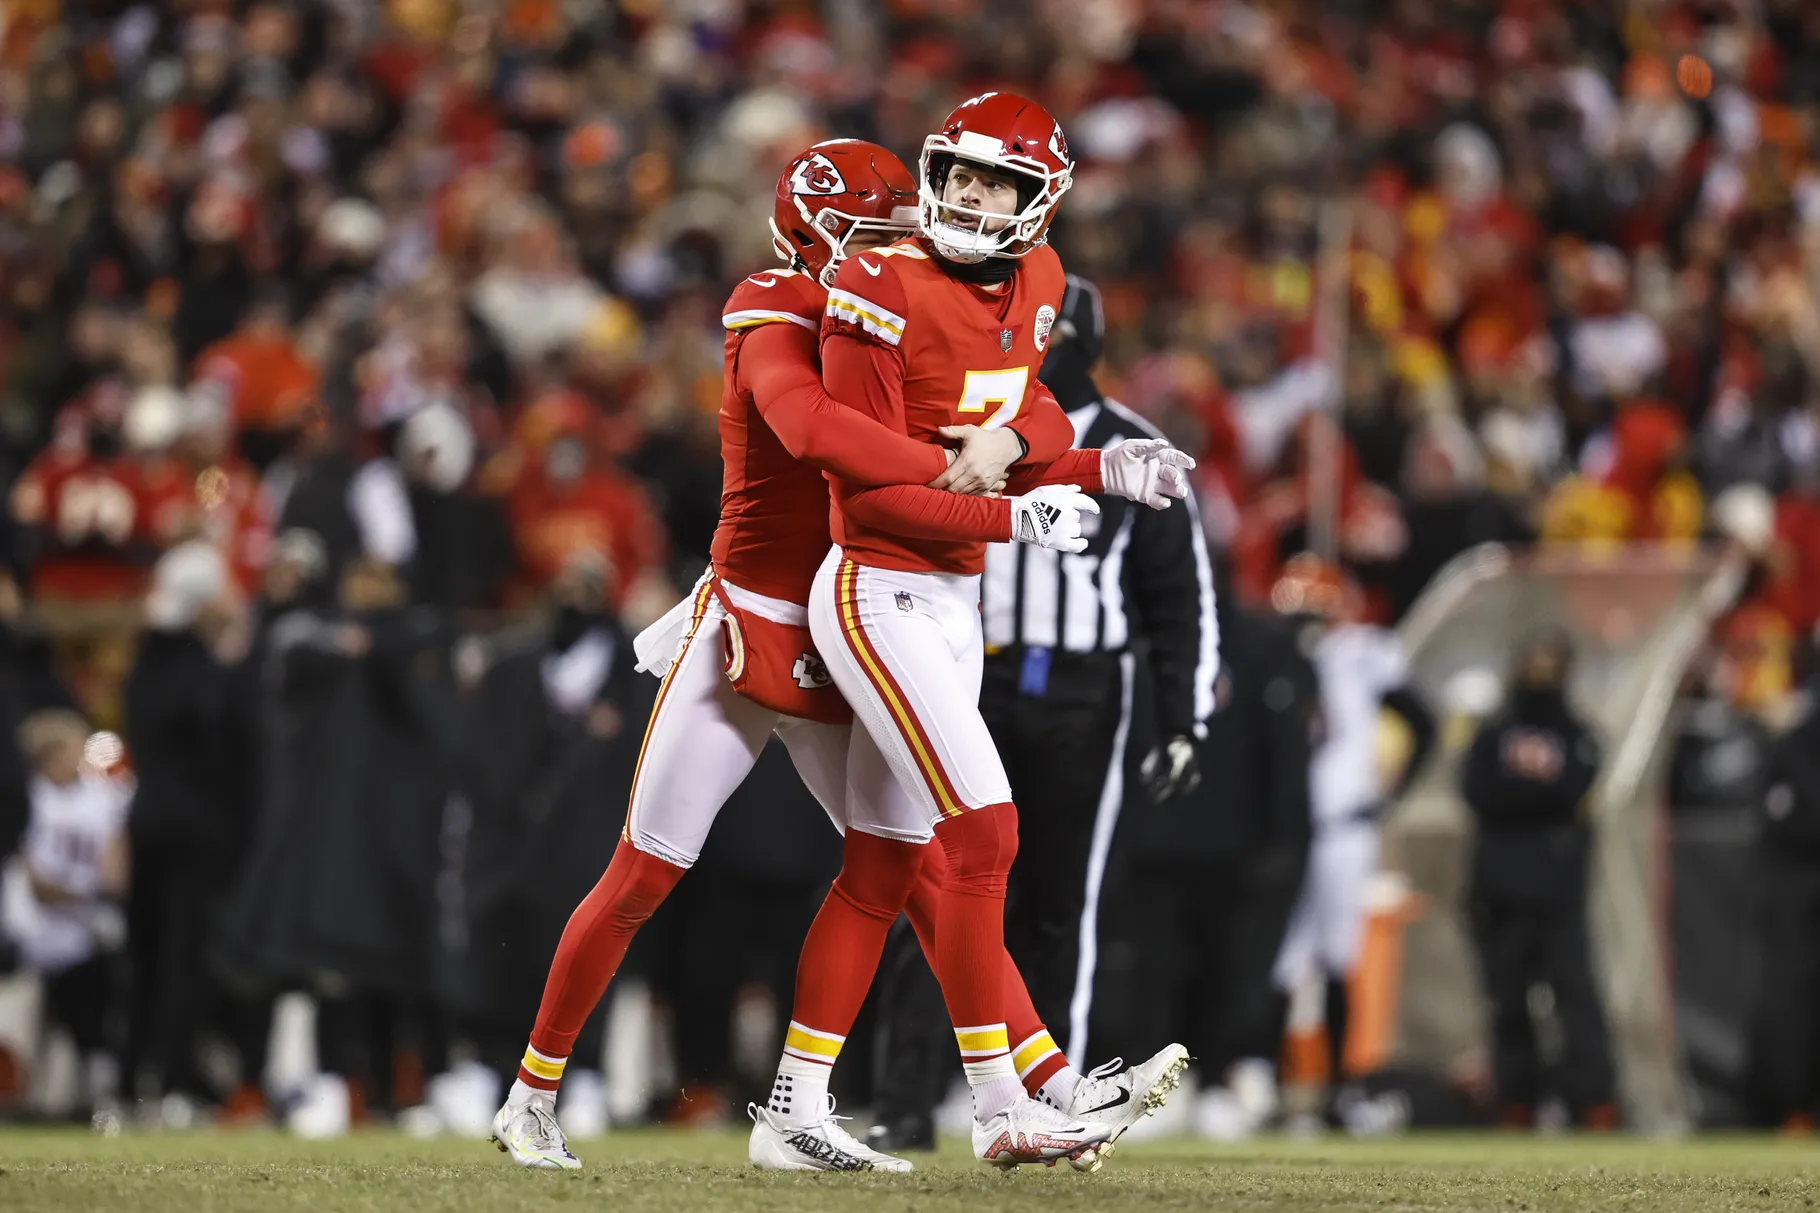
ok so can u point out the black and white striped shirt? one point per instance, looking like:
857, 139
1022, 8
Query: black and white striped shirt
1144, 576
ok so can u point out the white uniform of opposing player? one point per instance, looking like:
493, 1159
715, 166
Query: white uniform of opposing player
1357, 664
72, 827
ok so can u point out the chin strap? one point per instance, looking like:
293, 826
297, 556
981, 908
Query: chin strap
990, 270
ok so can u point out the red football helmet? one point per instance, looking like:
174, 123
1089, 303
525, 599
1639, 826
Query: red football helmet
832, 190
1312, 586
1009, 133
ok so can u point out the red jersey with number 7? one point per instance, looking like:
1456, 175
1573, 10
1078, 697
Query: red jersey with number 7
919, 349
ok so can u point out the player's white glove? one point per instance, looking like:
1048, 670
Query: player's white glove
1050, 517
1146, 470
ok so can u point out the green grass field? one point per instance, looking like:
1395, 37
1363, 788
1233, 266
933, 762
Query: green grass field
55, 1172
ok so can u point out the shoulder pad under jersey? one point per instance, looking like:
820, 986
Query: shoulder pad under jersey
774, 297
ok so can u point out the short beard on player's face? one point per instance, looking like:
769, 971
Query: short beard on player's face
961, 238
973, 210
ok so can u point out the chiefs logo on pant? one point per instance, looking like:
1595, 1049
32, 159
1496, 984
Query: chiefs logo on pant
810, 673
775, 664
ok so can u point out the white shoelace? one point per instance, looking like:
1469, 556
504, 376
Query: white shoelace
830, 1125
843, 1139
1101, 1077
548, 1134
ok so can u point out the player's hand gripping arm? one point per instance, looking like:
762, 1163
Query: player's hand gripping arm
869, 378
987, 455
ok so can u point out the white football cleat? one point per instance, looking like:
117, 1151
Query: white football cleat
323, 1113
1032, 1131
821, 1146
1117, 1096
530, 1134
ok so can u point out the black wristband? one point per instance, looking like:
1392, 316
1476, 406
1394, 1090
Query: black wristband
1024, 453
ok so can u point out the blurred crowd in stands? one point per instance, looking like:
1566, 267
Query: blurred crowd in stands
376, 319
316, 265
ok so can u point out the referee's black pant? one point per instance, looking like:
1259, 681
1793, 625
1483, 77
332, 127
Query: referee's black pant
1063, 741
1213, 928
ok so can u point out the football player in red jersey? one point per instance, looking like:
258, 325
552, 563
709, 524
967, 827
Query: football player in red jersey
737, 659
952, 326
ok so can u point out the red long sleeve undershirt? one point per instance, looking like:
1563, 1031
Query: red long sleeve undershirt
777, 365
1045, 429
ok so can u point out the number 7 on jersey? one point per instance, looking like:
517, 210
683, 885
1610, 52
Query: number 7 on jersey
983, 389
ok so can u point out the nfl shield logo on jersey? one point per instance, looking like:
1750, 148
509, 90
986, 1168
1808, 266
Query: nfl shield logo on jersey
810, 673
1045, 320
1004, 340
905, 603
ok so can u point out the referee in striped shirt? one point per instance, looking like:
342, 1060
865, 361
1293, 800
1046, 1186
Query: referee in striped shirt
1065, 634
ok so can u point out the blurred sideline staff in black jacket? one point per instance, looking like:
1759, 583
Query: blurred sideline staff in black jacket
1785, 1048
176, 700
1526, 778
338, 890
553, 721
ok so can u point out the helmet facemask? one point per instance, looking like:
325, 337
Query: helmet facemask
1038, 190
835, 228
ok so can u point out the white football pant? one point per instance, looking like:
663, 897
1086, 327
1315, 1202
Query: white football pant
1329, 918
907, 652
704, 738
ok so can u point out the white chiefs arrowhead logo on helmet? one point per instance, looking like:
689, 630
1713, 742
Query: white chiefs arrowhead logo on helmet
816, 174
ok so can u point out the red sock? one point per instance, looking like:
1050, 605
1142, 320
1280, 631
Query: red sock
970, 941
839, 958
840, 954
593, 944
1033, 1050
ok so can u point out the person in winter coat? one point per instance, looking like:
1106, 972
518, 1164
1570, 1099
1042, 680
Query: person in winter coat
1525, 778
175, 700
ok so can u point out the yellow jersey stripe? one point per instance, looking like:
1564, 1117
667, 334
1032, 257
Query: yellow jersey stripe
844, 305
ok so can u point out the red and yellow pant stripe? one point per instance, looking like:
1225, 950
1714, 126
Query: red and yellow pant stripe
704, 594
891, 693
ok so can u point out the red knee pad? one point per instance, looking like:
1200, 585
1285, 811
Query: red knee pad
877, 874
980, 845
